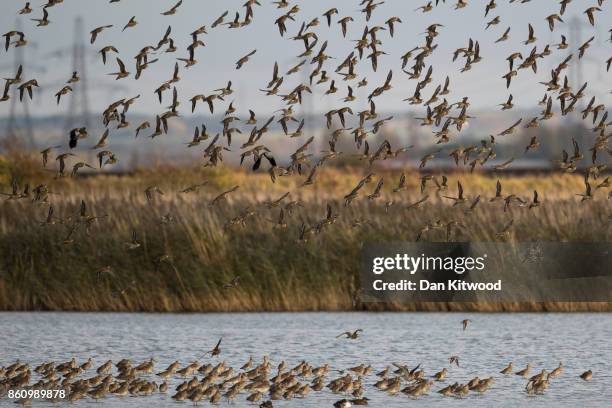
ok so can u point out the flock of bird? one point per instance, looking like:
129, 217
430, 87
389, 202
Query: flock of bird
215, 381
444, 117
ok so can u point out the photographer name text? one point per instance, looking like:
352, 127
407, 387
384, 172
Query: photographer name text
426, 285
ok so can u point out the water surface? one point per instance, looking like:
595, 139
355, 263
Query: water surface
581, 341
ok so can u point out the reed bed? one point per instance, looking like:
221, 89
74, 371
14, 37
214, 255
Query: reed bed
200, 253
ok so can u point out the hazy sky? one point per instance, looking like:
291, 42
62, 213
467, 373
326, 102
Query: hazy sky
225, 46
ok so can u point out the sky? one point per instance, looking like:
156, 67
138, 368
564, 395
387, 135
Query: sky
49, 60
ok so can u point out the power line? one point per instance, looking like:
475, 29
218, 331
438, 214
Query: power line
78, 110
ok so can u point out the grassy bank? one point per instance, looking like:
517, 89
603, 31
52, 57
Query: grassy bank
185, 260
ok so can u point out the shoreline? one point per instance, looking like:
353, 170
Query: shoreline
372, 307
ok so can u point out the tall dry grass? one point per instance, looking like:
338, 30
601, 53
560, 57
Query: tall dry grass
39, 271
